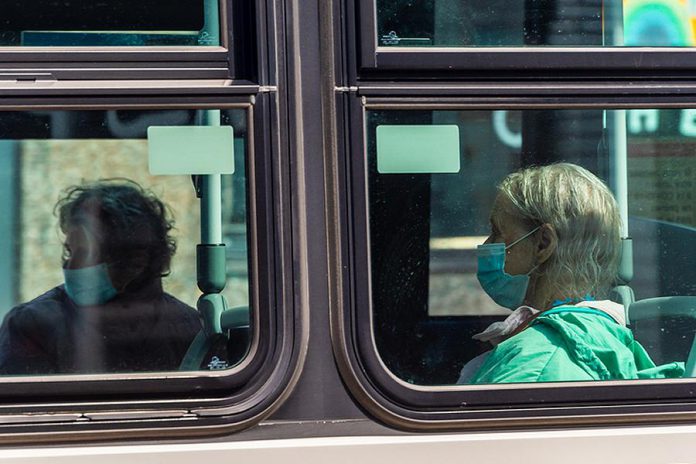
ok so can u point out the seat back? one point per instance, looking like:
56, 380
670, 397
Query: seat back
233, 322
664, 306
690, 368
664, 326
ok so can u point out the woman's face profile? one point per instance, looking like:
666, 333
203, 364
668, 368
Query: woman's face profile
506, 227
82, 248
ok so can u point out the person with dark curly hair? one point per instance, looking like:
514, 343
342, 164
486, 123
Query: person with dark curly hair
111, 314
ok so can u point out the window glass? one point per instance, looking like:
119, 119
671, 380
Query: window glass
451, 23
427, 219
110, 23
98, 261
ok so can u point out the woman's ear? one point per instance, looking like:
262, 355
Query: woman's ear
546, 244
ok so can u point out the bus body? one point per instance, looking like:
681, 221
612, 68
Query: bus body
366, 139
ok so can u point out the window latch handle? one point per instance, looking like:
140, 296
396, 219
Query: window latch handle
27, 77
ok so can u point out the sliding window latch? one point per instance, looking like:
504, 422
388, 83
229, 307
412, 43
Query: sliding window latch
27, 78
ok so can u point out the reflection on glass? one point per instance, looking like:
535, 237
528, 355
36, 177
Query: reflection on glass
98, 268
425, 228
114, 23
450, 23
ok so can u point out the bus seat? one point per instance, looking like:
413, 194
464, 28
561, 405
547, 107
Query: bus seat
665, 326
623, 294
660, 263
235, 318
665, 306
231, 320
690, 368
662, 258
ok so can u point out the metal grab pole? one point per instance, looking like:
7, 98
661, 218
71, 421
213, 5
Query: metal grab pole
211, 209
210, 263
617, 125
619, 165
210, 34
211, 274
211, 194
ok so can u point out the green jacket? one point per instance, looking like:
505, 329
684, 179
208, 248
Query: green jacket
571, 344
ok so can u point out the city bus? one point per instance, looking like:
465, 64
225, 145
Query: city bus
323, 173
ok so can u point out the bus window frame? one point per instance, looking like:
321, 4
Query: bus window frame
520, 61
163, 62
451, 407
242, 72
178, 381
226, 398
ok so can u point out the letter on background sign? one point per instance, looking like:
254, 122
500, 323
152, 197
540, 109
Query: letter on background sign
687, 123
643, 121
507, 136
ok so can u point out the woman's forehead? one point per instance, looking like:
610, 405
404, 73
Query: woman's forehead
503, 213
502, 207
84, 230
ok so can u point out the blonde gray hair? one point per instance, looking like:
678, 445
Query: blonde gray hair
585, 216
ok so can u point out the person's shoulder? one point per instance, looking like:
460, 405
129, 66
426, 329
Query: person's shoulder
175, 309
174, 304
537, 354
520, 358
588, 336
45, 309
593, 327
535, 340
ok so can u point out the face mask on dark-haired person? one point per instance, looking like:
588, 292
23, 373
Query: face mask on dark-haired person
89, 286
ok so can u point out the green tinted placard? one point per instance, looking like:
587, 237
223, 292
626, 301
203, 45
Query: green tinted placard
175, 150
417, 149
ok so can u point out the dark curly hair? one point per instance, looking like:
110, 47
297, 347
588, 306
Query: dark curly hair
138, 224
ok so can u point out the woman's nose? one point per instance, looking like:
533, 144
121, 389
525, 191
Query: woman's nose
77, 261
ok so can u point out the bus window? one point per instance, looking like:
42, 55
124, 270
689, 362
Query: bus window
426, 223
123, 23
99, 256
447, 23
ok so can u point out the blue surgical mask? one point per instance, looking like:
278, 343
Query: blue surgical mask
89, 286
505, 289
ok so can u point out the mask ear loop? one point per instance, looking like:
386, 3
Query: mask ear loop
519, 240
522, 238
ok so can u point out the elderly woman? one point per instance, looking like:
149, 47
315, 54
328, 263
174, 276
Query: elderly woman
552, 256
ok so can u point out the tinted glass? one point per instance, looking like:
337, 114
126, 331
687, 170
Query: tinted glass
451, 23
110, 23
98, 261
432, 178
